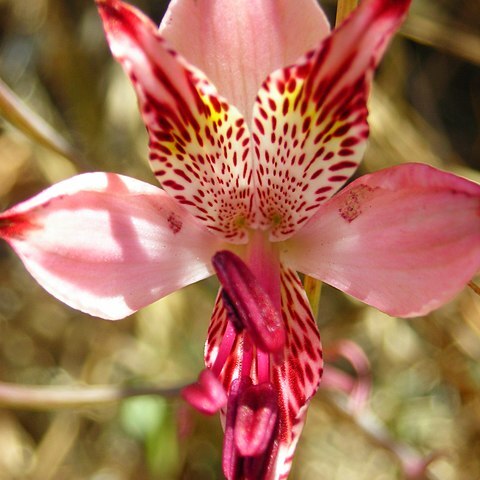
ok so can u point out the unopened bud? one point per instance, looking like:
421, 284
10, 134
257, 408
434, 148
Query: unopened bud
207, 395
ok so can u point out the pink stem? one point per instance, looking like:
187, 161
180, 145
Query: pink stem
264, 263
247, 357
224, 349
263, 366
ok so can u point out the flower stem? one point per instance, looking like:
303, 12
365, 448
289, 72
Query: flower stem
344, 8
49, 397
474, 287
313, 289
413, 463
16, 112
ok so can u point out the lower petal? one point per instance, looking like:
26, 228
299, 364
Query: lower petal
108, 245
405, 239
297, 378
295, 374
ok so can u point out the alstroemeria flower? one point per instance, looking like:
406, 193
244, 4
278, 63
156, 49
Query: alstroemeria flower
257, 116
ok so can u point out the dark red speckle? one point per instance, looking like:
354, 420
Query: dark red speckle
15, 226
174, 222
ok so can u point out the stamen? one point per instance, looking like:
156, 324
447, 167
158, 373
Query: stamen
251, 426
224, 349
249, 303
232, 313
231, 461
207, 395
256, 419
263, 366
247, 357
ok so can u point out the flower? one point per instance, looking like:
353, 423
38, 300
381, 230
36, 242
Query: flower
250, 141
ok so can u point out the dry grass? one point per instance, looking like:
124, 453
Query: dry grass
426, 371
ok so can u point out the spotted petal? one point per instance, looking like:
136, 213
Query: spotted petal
296, 377
405, 239
107, 244
215, 37
310, 119
199, 144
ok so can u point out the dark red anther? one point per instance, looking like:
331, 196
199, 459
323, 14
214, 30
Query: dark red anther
256, 419
252, 417
248, 304
232, 313
231, 461
263, 466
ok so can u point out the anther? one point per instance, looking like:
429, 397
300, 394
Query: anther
256, 418
248, 305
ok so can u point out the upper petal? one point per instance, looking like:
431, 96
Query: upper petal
238, 43
310, 120
107, 244
405, 239
199, 144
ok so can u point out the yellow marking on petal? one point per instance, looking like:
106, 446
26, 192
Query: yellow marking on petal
214, 116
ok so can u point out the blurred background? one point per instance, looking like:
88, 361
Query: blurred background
425, 396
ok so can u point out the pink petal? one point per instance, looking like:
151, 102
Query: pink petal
405, 240
199, 145
310, 119
238, 43
108, 245
296, 377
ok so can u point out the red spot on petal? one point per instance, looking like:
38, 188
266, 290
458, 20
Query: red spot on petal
341, 165
16, 226
174, 222
172, 184
352, 205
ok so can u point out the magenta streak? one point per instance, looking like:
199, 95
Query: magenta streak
247, 356
263, 366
